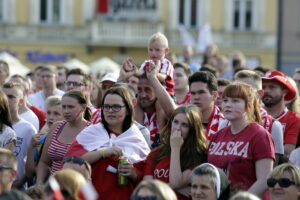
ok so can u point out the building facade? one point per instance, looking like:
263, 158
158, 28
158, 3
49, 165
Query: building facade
53, 31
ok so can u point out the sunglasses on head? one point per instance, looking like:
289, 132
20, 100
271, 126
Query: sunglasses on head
5, 167
282, 182
136, 197
75, 160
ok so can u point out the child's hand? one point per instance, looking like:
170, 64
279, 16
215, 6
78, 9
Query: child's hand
128, 65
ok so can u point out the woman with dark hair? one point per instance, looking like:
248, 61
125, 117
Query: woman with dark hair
7, 134
104, 143
183, 146
61, 135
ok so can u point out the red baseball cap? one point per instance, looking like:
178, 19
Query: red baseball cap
277, 76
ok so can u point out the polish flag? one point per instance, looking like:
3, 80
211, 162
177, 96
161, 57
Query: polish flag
88, 192
55, 188
103, 6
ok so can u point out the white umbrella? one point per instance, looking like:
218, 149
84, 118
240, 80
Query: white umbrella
75, 63
15, 66
104, 65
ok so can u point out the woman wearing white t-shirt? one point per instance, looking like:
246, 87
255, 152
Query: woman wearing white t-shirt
7, 134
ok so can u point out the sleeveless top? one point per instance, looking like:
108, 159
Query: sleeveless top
57, 149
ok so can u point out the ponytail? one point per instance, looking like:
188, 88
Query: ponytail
87, 114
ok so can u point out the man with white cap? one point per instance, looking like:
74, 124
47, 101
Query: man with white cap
108, 80
277, 90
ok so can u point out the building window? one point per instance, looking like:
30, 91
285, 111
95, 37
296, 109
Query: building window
2, 11
189, 13
243, 15
50, 12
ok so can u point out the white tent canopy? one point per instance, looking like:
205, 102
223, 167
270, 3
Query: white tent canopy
15, 66
104, 65
75, 63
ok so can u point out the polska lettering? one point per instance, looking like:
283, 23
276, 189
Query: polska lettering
238, 148
161, 173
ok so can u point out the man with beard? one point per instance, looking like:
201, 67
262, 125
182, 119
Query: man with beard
277, 90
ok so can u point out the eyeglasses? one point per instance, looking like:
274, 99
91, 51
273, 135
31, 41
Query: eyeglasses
114, 108
75, 84
5, 167
282, 182
136, 197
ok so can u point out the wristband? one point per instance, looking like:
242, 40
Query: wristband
103, 153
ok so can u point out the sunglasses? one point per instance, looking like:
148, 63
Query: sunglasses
282, 182
5, 167
136, 197
75, 160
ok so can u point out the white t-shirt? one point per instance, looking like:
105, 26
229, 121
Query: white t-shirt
31, 118
24, 131
295, 157
38, 99
6, 136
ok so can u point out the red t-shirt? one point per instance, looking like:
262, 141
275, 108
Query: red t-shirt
290, 122
40, 114
161, 170
236, 154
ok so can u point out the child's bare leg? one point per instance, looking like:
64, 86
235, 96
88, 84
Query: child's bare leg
160, 116
139, 114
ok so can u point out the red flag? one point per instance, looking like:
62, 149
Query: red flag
103, 6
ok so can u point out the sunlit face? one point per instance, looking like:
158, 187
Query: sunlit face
14, 99
280, 193
180, 123
201, 96
202, 188
146, 95
233, 108
133, 82
54, 114
61, 76
273, 93
94, 93
114, 118
221, 88
71, 109
180, 78
38, 81
156, 51
75, 82
48, 79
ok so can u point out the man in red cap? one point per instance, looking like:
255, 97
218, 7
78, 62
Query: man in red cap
277, 90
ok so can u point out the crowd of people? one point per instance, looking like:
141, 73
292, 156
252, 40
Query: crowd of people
167, 129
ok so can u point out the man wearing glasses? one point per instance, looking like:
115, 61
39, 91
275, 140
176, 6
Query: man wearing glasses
80, 81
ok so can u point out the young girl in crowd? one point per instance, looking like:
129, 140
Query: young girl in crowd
7, 134
62, 134
104, 143
244, 149
54, 114
183, 147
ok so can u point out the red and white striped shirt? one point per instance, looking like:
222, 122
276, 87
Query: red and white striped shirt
213, 126
151, 124
57, 149
166, 68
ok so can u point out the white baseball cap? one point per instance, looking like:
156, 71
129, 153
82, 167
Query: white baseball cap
113, 77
